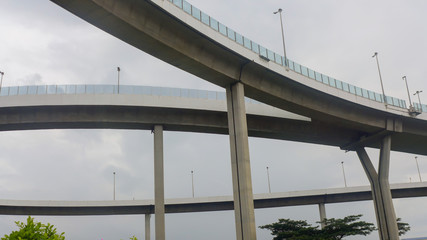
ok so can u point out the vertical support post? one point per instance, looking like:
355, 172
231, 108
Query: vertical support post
240, 163
159, 191
147, 226
322, 212
381, 194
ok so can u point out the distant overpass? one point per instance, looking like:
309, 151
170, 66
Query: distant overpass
205, 204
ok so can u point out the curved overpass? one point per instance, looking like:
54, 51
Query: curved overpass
141, 107
182, 35
205, 204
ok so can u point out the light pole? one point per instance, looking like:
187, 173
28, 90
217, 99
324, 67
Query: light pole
1, 81
418, 168
407, 89
268, 180
419, 100
114, 185
283, 37
192, 182
118, 80
381, 80
343, 173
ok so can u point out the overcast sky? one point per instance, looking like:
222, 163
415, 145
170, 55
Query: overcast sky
40, 43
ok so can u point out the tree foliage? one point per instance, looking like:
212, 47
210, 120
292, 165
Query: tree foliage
348, 226
34, 230
402, 227
335, 229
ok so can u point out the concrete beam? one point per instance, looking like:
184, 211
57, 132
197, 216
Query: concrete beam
240, 163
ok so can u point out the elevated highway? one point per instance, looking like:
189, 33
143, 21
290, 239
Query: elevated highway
185, 37
355, 118
205, 204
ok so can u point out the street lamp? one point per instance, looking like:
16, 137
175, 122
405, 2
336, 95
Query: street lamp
118, 80
283, 37
381, 80
419, 174
343, 173
268, 180
192, 182
1, 81
409, 95
114, 186
419, 100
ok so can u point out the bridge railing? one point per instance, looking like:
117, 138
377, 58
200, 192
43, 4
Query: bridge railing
114, 89
269, 55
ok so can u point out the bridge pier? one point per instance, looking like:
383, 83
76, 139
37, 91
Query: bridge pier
322, 212
147, 226
381, 194
240, 163
159, 186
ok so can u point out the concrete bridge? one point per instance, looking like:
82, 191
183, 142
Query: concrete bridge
221, 203
354, 118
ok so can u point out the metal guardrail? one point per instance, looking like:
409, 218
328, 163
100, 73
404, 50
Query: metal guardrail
267, 54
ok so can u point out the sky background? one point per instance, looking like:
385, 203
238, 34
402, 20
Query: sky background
40, 43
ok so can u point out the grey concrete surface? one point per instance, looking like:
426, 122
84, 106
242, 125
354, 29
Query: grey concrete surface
240, 163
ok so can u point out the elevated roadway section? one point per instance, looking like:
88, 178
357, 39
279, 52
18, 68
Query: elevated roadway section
205, 204
182, 35
138, 107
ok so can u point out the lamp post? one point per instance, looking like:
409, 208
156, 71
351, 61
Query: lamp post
268, 180
343, 173
381, 80
114, 185
1, 81
418, 168
407, 89
283, 37
192, 182
419, 100
118, 80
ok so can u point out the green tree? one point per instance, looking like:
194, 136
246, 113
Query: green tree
342, 227
291, 229
335, 229
403, 227
34, 230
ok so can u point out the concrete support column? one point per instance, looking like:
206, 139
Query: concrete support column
147, 226
159, 191
240, 163
322, 212
381, 194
